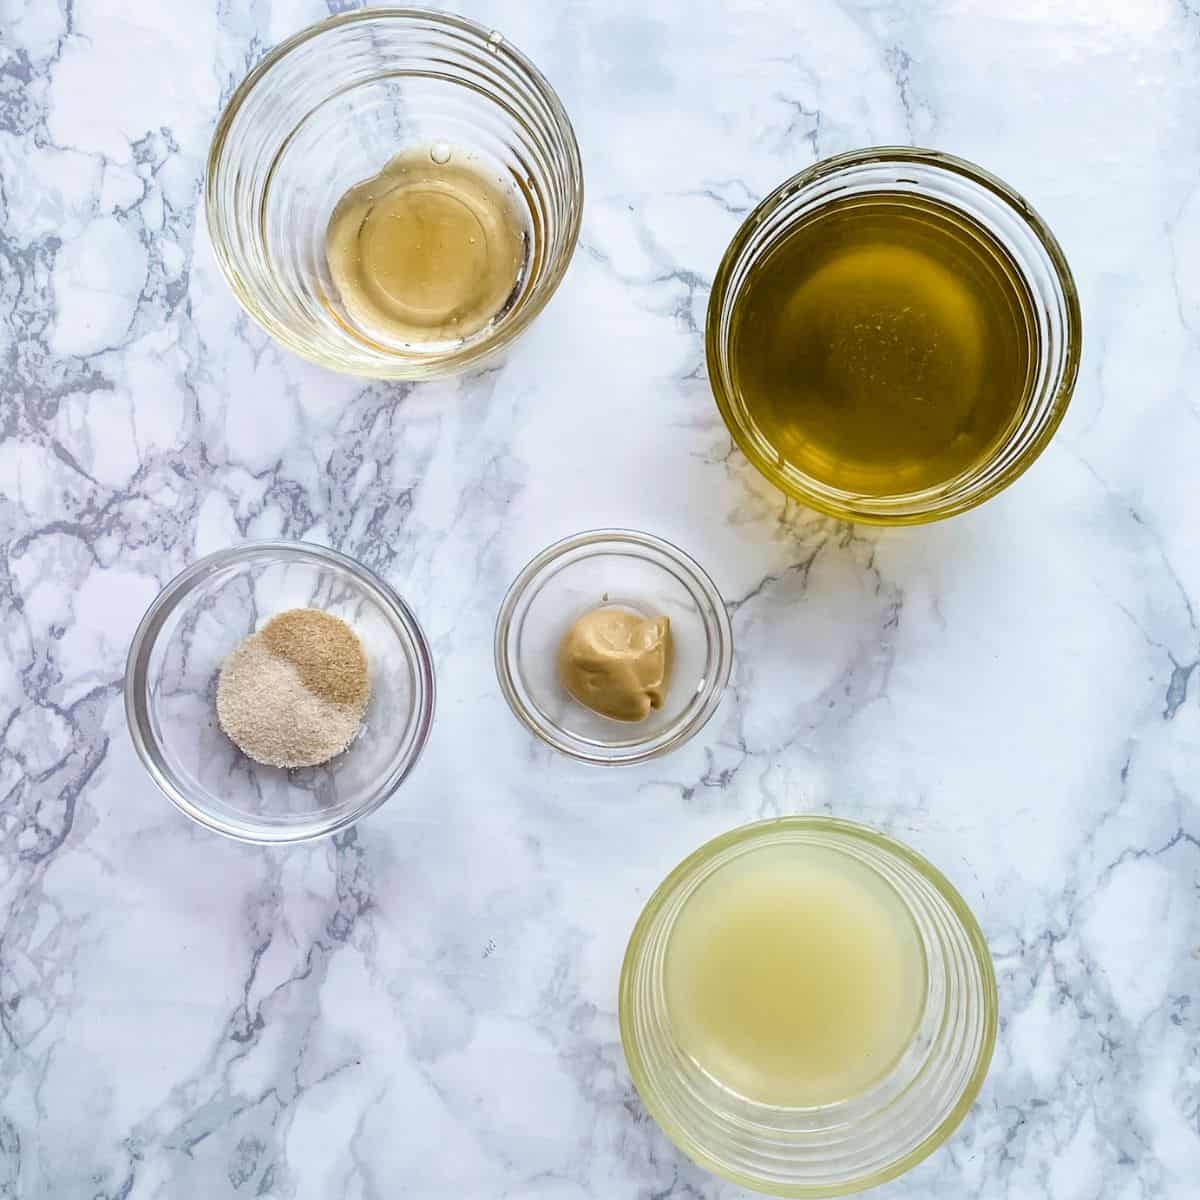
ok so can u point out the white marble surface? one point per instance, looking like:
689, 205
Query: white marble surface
426, 1006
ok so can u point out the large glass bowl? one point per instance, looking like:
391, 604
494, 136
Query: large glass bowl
856, 1143
171, 682
327, 109
982, 199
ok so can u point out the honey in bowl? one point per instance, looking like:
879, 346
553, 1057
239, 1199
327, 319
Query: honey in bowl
885, 346
431, 249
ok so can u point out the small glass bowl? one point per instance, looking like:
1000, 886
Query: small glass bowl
833, 1149
988, 202
625, 569
327, 109
171, 683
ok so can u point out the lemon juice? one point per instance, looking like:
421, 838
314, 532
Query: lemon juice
795, 975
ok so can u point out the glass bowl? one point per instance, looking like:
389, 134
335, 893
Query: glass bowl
171, 681
328, 109
625, 569
831, 1149
987, 202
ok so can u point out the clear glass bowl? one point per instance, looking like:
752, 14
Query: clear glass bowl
987, 201
627, 570
328, 109
171, 681
833, 1149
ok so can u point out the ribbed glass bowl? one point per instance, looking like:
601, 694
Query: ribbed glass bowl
833, 1149
328, 109
171, 681
982, 199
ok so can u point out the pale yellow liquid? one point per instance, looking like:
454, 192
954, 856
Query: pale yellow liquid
794, 976
429, 250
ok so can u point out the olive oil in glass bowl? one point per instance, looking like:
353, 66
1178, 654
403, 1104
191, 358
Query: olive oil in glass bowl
893, 336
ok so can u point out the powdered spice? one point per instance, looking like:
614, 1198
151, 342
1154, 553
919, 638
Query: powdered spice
294, 693
326, 652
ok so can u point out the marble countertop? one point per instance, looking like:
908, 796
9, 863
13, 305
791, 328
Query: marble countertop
425, 1006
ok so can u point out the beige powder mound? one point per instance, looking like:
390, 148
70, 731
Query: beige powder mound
301, 706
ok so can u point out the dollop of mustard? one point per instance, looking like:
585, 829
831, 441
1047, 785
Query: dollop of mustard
616, 662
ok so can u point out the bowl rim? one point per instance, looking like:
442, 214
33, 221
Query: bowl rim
146, 634
693, 718
438, 366
937, 160
851, 829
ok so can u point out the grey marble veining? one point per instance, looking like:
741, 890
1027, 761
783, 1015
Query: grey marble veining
425, 1006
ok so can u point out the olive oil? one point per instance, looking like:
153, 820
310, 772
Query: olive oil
794, 976
885, 346
429, 250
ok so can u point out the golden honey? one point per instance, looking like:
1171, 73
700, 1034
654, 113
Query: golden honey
431, 249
